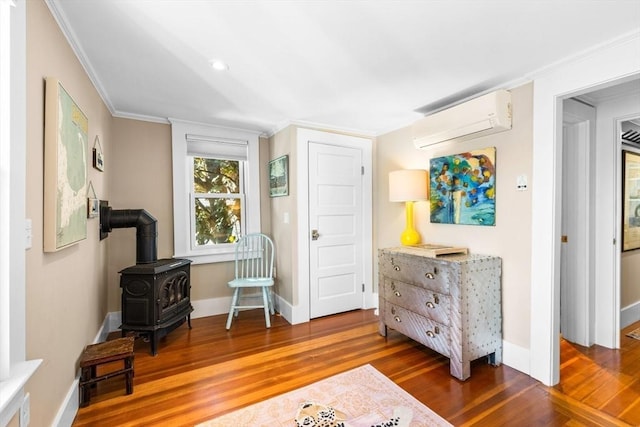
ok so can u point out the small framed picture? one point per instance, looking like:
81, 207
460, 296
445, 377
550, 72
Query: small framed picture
279, 177
98, 160
98, 157
93, 207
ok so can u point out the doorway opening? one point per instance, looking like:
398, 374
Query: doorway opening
594, 268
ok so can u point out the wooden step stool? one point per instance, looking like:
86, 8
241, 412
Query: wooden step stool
101, 353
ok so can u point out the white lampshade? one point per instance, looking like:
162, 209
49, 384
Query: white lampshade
407, 185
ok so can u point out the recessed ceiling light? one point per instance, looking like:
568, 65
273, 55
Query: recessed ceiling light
219, 65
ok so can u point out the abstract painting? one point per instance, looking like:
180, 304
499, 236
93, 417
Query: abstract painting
463, 188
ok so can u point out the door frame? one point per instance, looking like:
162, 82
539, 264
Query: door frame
605, 66
301, 310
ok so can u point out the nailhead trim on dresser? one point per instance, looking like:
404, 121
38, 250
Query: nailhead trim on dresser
451, 304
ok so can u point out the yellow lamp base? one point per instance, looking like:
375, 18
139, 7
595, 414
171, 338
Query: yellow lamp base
409, 236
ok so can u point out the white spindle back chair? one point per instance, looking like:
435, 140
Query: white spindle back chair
254, 257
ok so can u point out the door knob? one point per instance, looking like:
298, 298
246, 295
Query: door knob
314, 234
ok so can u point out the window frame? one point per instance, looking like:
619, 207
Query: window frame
183, 214
15, 369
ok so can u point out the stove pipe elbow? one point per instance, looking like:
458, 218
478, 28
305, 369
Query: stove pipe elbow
146, 230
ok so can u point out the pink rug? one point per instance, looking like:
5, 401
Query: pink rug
634, 334
364, 395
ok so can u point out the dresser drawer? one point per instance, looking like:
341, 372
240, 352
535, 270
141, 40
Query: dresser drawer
430, 304
426, 331
429, 273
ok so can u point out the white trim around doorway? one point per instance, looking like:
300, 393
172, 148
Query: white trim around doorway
597, 68
300, 310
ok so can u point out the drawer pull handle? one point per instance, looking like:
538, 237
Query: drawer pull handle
433, 333
433, 304
397, 319
430, 276
398, 294
396, 268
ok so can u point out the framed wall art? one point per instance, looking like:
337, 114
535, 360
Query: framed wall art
98, 157
279, 177
630, 200
463, 188
65, 169
93, 203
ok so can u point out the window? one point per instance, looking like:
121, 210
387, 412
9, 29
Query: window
216, 196
217, 200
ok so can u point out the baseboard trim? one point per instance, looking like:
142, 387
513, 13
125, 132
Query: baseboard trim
629, 314
210, 307
285, 309
71, 403
516, 357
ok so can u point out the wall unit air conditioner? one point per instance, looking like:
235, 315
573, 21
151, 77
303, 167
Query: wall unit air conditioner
484, 115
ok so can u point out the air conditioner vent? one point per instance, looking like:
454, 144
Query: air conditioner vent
484, 115
630, 133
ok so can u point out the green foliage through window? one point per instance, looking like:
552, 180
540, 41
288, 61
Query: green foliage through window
217, 188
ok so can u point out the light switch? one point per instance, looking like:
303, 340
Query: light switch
285, 218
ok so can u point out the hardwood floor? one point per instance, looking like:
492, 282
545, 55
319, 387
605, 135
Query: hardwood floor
204, 372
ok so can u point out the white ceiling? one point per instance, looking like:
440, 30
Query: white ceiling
367, 66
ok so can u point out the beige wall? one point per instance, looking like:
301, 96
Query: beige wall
139, 171
509, 239
66, 291
284, 235
142, 179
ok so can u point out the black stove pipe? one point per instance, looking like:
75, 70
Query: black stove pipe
146, 230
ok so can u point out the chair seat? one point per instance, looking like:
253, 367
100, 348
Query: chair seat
251, 282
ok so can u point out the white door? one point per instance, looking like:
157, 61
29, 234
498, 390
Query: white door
335, 224
577, 265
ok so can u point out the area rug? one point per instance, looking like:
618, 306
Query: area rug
363, 396
634, 334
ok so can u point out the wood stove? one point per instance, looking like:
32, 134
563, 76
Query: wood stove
155, 298
155, 293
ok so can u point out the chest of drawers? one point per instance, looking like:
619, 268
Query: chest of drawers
451, 304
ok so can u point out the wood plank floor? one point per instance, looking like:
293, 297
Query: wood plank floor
207, 371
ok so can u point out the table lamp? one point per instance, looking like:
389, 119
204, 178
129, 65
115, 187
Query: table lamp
408, 186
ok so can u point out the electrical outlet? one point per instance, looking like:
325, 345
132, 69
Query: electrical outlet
25, 411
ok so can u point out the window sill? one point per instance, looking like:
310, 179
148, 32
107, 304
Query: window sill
11, 388
208, 258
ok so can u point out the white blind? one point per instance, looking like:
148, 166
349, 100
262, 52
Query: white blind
206, 146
